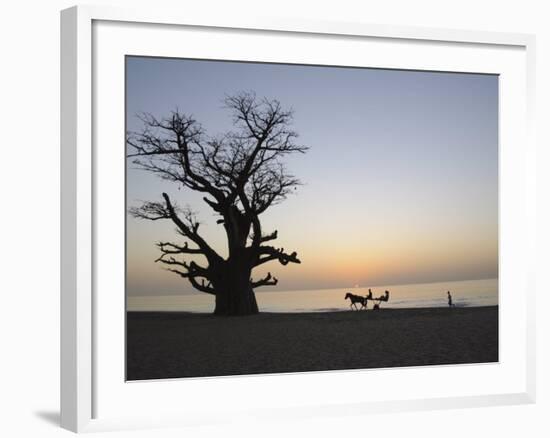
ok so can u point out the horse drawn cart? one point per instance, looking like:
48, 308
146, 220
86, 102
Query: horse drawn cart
364, 300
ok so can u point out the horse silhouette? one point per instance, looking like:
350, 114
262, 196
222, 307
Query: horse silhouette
354, 299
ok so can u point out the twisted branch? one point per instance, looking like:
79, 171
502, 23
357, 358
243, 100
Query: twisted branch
268, 280
268, 253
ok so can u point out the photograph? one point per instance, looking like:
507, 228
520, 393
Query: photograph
285, 218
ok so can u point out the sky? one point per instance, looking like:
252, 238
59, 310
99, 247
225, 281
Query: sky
400, 184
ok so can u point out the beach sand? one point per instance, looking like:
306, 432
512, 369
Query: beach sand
178, 344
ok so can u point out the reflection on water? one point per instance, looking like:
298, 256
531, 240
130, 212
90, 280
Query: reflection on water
465, 294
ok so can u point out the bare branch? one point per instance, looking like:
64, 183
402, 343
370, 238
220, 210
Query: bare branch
151, 211
202, 286
269, 237
268, 253
168, 248
189, 228
268, 280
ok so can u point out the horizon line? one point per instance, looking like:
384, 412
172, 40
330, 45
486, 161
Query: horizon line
194, 292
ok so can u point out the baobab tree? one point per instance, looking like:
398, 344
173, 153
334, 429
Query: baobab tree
241, 174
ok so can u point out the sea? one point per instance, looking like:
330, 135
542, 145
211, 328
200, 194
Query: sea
469, 293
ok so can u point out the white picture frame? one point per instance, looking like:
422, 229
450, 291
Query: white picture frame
86, 376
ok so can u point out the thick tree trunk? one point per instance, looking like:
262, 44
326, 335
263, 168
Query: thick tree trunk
234, 294
236, 302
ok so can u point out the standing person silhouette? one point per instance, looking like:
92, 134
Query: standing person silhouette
450, 299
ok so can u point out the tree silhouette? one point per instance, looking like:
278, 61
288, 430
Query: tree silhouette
241, 175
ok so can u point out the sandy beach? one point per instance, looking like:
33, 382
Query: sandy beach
178, 344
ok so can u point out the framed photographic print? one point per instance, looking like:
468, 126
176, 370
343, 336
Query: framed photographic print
343, 212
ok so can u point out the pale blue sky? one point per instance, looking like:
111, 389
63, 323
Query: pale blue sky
401, 181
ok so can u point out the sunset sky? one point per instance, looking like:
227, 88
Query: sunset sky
400, 183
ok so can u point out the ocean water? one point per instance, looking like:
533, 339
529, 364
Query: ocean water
470, 293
